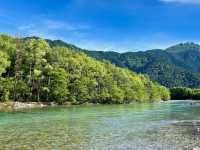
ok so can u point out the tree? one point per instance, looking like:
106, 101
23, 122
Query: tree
36, 51
32, 71
4, 62
59, 86
5, 89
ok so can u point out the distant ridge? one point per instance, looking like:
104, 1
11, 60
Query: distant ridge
182, 47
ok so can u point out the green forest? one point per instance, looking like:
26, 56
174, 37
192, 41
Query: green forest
33, 70
182, 93
176, 66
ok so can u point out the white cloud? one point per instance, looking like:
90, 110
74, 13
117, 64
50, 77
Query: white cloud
53, 25
56, 24
26, 27
49, 28
182, 1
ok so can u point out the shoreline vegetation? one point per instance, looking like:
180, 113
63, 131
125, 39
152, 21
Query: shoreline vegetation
183, 93
31, 69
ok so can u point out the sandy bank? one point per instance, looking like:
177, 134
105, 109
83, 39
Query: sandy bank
23, 105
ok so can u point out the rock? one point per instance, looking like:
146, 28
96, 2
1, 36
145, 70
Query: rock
53, 104
21, 105
196, 148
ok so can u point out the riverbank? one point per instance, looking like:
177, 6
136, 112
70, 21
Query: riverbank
23, 105
9, 106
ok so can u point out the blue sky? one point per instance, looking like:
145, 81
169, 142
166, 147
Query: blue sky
119, 25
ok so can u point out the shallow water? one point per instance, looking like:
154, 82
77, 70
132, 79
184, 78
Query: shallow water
165, 125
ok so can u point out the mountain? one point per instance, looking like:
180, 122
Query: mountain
32, 69
175, 66
183, 47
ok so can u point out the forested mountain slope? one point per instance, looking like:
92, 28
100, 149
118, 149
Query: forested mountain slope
176, 66
31, 70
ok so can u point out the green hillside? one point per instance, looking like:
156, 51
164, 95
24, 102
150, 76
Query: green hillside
174, 67
31, 70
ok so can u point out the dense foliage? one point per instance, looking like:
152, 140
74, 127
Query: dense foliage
173, 67
177, 66
181, 93
31, 70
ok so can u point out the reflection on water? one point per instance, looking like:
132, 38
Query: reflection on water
165, 125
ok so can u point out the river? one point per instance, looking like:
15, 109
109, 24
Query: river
168, 125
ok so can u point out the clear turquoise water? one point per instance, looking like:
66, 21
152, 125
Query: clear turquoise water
165, 125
